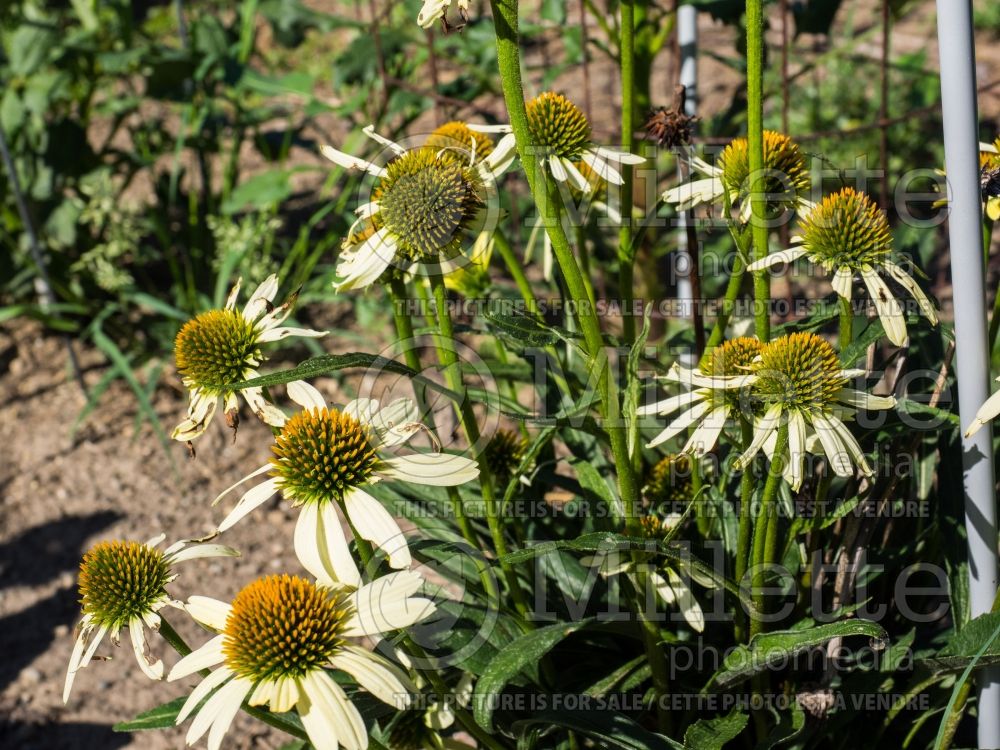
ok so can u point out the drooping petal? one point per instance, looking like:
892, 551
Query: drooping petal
438, 469
384, 680
74, 661
305, 395
843, 282
887, 306
706, 435
199, 551
387, 604
396, 149
329, 718
284, 332
986, 412
909, 284
762, 430
796, 449
833, 448
252, 500
202, 691
864, 400
255, 473
322, 548
686, 602
367, 262
265, 411
681, 423
152, 668
775, 259
208, 611
205, 657
350, 162
376, 525
218, 713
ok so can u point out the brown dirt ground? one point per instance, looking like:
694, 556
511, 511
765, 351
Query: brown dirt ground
61, 492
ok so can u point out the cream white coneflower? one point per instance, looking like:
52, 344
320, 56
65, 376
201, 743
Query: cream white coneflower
123, 585
222, 347
277, 643
714, 395
989, 164
798, 382
849, 235
786, 178
561, 133
324, 458
422, 207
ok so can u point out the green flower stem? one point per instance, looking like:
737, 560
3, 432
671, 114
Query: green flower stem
846, 323
505, 19
745, 523
179, 645
404, 329
761, 530
626, 250
755, 143
467, 418
728, 303
516, 270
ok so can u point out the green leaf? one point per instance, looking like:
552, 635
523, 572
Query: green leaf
978, 635
916, 408
953, 713
859, 347
601, 541
611, 729
316, 366
124, 368
521, 653
161, 717
712, 734
260, 192
520, 328
768, 649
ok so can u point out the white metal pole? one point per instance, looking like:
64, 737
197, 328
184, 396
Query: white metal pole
687, 40
958, 100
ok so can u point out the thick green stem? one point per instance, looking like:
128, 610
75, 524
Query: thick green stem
745, 524
626, 252
762, 524
404, 330
516, 270
505, 19
728, 302
755, 143
453, 376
